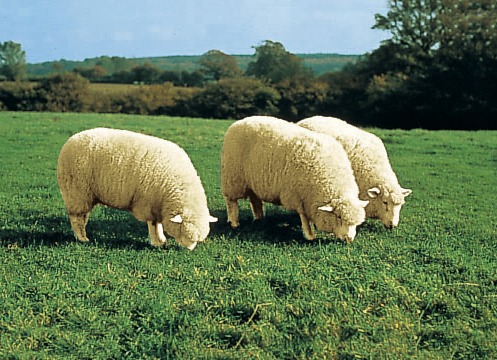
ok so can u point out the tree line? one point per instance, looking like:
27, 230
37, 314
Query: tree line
437, 71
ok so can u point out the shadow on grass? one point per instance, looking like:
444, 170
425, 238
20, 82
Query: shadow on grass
373, 226
35, 229
51, 231
121, 230
278, 228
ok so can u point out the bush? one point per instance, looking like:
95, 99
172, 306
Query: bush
68, 92
165, 99
234, 99
301, 99
16, 96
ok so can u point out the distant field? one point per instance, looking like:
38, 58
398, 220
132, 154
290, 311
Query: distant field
319, 63
114, 89
426, 290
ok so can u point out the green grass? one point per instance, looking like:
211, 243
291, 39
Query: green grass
426, 290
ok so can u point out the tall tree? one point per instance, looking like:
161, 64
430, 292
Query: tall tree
12, 61
146, 73
218, 65
469, 26
274, 64
448, 56
413, 24
424, 27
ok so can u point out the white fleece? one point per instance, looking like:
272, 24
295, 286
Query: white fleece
268, 159
372, 170
152, 178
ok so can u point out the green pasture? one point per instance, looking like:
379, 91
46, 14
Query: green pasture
426, 290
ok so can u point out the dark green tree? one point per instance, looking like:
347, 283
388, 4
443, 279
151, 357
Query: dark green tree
192, 79
442, 71
454, 27
274, 64
218, 65
413, 24
146, 74
12, 61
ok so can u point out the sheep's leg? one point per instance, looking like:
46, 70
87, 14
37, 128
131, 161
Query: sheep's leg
160, 233
257, 206
87, 217
232, 209
78, 224
307, 227
156, 231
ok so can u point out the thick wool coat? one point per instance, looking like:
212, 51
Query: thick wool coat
370, 163
152, 178
279, 162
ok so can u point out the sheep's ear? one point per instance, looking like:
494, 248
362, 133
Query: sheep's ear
373, 192
326, 208
363, 203
406, 192
212, 219
177, 219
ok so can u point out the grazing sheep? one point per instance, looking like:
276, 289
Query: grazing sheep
371, 166
268, 159
152, 178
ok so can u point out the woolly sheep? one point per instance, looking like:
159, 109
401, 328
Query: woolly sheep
152, 178
373, 172
268, 159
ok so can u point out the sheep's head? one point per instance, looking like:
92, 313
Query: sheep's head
385, 205
341, 217
188, 228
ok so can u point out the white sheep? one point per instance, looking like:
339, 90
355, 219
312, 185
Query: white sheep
152, 178
268, 159
372, 170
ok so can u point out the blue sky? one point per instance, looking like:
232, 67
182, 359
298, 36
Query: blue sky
78, 29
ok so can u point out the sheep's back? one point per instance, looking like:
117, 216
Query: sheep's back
366, 151
120, 166
276, 156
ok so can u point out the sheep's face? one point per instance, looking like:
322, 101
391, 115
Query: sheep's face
189, 229
386, 205
341, 218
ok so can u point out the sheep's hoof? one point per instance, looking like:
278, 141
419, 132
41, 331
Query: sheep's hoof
158, 244
234, 225
82, 239
310, 237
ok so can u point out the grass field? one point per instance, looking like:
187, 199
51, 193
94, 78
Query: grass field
426, 290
